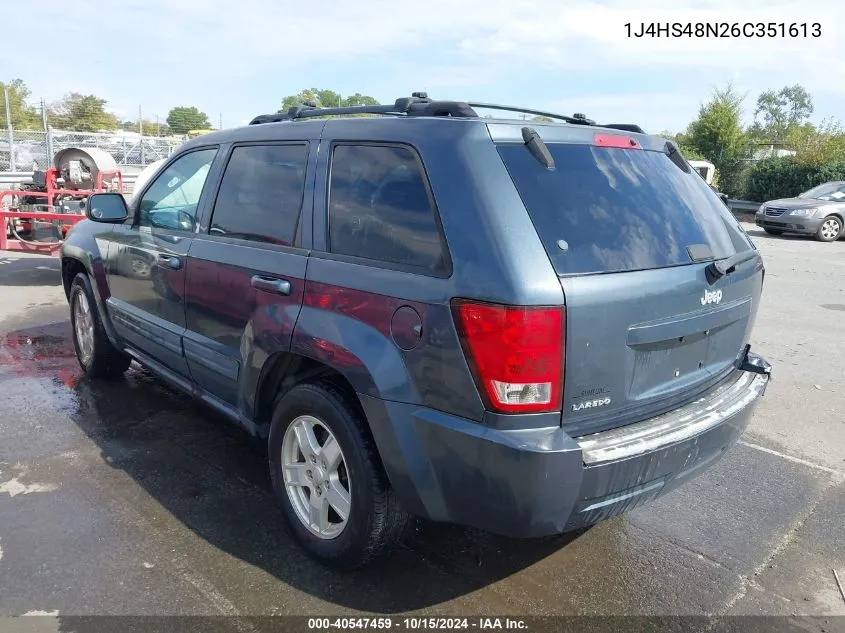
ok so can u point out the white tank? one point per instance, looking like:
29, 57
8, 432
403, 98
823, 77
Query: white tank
80, 166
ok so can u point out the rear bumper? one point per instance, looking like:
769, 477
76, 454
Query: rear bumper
539, 482
788, 223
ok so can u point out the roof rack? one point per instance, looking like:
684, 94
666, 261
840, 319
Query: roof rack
576, 118
419, 104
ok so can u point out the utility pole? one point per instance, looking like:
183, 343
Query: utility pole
9, 132
48, 132
221, 121
141, 134
158, 127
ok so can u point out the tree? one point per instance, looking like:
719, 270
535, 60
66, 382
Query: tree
150, 128
717, 132
330, 99
781, 111
680, 140
690, 153
82, 113
325, 99
360, 100
717, 135
303, 96
817, 145
23, 116
183, 119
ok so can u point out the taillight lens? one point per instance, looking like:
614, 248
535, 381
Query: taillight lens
616, 140
516, 354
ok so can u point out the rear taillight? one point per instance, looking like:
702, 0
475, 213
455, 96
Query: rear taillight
516, 354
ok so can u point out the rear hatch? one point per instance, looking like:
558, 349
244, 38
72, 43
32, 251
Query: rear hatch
631, 231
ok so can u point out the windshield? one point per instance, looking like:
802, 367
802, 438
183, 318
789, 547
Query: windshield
827, 191
612, 210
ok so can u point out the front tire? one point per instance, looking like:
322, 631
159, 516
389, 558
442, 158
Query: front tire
94, 351
326, 472
830, 229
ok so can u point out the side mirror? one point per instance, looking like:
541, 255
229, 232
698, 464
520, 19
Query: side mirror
106, 207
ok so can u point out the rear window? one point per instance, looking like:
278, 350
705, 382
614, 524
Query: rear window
261, 194
613, 210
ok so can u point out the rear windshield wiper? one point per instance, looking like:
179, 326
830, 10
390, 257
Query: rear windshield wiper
722, 267
675, 156
537, 147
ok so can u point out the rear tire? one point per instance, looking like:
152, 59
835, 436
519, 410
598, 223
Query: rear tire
374, 521
94, 351
830, 229
773, 231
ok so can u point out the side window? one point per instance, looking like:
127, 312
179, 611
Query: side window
261, 194
171, 201
380, 208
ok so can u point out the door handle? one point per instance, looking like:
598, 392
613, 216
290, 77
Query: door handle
271, 284
171, 261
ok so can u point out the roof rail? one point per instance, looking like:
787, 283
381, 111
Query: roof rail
418, 104
627, 127
307, 110
577, 118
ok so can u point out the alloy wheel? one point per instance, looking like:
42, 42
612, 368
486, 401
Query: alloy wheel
83, 327
316, 477
830, 228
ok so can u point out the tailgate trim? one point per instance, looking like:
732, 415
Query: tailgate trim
712, 409
685, 325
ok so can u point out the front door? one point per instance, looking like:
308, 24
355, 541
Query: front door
147, 259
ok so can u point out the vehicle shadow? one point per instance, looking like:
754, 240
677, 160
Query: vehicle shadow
30, 271
212, 477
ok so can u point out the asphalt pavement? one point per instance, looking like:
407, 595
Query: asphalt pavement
128, 498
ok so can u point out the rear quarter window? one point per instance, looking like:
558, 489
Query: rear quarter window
381, 209
615, 210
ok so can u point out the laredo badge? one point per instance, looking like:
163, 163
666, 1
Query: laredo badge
591, 404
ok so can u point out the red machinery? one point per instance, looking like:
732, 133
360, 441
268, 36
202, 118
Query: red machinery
55, 198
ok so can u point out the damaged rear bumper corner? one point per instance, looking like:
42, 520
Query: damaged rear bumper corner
679, 425
542, 481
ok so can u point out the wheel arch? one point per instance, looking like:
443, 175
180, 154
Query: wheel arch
284, 370
71, 267
840, 216
74, 261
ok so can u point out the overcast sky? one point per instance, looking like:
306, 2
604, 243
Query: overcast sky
241, 58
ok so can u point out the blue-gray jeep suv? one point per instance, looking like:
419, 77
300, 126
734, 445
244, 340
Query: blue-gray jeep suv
521, 326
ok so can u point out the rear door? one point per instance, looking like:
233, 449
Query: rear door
247, 267
631, 233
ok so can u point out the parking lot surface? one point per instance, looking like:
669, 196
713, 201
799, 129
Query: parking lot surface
128, 498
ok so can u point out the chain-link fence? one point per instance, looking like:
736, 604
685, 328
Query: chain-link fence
31, 150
